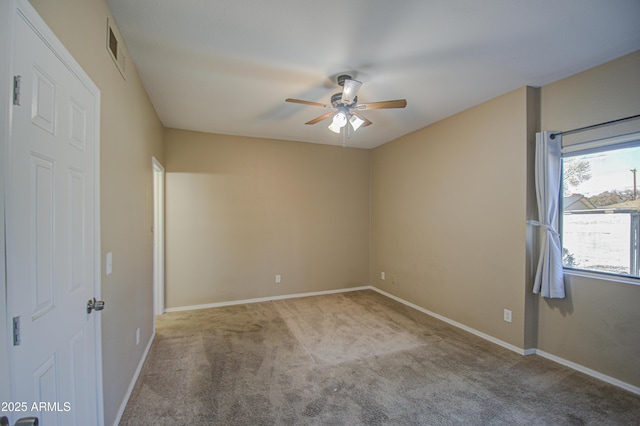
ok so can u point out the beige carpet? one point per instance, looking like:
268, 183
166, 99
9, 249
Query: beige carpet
334, 330
348, 359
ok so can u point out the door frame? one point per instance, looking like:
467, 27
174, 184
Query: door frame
9, 10
158, 238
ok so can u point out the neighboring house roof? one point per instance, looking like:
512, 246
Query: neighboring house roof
629, 205
577, 202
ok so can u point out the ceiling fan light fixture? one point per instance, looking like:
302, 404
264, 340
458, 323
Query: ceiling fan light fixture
339, 121
334, 128
349, 91
356, 122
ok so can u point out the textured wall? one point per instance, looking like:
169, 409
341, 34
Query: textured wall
597, 324
241, 210
130, 135
448, 209
448, 216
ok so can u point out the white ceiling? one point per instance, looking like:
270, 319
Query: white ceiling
226, 66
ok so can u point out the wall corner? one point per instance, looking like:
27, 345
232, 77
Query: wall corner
530, 299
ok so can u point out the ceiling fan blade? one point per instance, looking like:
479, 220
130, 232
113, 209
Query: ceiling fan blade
319, 119
298, 101
350, 90
366, 121
399, 103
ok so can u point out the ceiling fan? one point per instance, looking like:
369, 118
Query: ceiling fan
345, 106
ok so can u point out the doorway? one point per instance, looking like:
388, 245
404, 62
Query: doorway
158, 237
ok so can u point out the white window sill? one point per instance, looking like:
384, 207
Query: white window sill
601, 276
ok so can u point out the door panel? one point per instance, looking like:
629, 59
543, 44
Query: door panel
77, 237
43, 105
79, 356
50, 216
46, 385
41, 216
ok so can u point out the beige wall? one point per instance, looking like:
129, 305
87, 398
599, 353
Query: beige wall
241, 210
130, 135
449, 206
598, 324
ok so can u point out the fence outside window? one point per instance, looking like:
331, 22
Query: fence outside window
603, 240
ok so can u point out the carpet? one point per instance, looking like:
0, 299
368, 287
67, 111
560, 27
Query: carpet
355, 358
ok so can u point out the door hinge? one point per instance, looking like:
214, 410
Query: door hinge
16, 331
16, 89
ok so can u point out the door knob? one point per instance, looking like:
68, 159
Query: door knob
25, 421
94, 304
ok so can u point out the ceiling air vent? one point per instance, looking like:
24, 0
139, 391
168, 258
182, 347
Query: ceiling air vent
113, 46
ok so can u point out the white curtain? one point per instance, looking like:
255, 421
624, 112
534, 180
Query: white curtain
549, 280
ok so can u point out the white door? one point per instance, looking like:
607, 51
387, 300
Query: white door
51, 235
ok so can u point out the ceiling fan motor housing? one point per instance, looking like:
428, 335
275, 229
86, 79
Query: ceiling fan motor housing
336, 100
342, 78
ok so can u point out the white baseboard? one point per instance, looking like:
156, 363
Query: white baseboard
457, 324
533, 351
134, 380
266, 299
520, 351
589, 372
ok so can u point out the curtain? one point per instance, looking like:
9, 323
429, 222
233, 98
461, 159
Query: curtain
549, 279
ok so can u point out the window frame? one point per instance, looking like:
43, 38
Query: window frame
630, 140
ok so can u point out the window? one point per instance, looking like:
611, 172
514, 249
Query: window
601, 206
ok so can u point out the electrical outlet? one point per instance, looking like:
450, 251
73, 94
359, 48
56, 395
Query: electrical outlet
138, 336
507, 315
382, 276
278, 279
